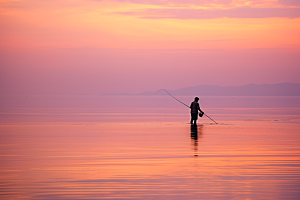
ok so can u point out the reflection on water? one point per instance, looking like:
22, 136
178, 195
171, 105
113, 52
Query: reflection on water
130, 153
241, 160
196, 131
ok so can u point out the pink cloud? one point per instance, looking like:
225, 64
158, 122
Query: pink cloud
289, 2
166, 2
243, 12
204, 2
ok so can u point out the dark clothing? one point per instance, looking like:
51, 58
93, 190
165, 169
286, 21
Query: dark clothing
194, 107
194, 116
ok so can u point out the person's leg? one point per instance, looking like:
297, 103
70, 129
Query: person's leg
194, 118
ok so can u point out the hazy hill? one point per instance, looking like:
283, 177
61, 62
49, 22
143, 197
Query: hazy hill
280, 89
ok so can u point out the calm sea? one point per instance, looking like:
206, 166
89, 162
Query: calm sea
142, 147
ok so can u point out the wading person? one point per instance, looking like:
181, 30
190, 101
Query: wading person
194, 111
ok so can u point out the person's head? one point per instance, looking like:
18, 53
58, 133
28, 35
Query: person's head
197, 99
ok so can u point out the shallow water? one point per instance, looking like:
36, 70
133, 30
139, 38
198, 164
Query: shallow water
149, 153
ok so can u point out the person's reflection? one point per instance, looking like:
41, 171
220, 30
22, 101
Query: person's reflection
196, 131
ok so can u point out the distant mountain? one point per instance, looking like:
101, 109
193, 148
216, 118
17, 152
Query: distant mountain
280, 89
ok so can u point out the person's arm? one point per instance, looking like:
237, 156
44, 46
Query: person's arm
200, 109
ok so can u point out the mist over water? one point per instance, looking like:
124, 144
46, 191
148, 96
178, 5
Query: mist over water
143, 147
135, 101
105, 108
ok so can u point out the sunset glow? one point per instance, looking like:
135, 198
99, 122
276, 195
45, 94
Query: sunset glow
163, 24
236, 36
149, 99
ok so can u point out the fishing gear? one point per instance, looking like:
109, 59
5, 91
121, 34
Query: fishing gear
210, 118
186, 105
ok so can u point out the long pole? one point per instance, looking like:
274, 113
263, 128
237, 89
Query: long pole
185, 104
210, 118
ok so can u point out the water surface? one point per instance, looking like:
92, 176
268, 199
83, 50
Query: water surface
53, 151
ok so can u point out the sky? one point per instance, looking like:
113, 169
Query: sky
69, 47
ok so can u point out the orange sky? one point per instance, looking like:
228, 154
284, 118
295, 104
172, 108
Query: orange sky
43, 28
125, 24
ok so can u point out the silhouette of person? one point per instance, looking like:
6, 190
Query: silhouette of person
195, 132
195, 107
